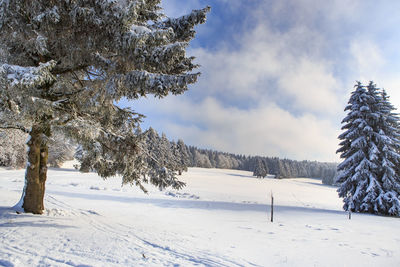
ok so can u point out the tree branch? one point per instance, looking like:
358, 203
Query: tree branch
15, 127
57, 71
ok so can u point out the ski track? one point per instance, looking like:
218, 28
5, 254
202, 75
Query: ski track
125, 235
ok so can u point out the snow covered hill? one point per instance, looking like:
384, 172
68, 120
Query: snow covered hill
220, 219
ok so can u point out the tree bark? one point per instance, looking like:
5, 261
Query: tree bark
36, 171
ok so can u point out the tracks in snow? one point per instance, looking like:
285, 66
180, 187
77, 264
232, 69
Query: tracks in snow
126, 244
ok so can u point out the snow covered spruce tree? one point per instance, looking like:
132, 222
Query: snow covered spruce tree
182, 154
160, 159
389, 200
66, 65
260, 169
369, 174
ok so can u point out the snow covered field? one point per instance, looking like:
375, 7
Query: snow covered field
220, 219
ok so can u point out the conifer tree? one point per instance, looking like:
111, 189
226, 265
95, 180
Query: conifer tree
183, 156
388, 200
358, 150
369, 148
67, 63
260, 170
166, 155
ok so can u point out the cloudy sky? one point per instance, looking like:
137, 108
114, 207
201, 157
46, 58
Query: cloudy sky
277, 74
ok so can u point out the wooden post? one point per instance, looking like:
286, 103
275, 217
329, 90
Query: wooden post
349, 214
272, 208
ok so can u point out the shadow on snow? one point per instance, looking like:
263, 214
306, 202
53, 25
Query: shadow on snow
9, 218
196, 204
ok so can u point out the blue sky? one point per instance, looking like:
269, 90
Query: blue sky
276, 75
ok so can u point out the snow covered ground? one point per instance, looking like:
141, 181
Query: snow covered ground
220, 219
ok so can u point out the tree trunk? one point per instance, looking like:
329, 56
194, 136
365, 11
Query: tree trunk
36, 172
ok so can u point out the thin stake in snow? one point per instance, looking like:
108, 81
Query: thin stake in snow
272, 207
349, 214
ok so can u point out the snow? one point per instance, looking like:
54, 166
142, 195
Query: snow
27, 76
139, 29
221, 218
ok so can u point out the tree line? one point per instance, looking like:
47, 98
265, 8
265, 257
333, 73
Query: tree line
170, 156
180, 156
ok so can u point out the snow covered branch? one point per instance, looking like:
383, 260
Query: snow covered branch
183, 26
140, 83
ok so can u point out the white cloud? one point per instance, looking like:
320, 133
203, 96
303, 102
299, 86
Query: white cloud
272, 66
265, 130
367, 59
312, 86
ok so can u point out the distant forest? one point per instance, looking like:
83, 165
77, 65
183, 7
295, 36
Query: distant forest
176, 156
192, 156
279, 168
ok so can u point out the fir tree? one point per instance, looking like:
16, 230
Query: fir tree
369, 148
260, 170
357, 149
184, 158
160, 159
67, 64
388, 200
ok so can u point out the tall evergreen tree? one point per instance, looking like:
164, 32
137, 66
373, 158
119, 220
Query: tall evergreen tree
161, 161
358, 150
183, 155
388, 201
259, 169
166, 154
369, 149
66, 65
